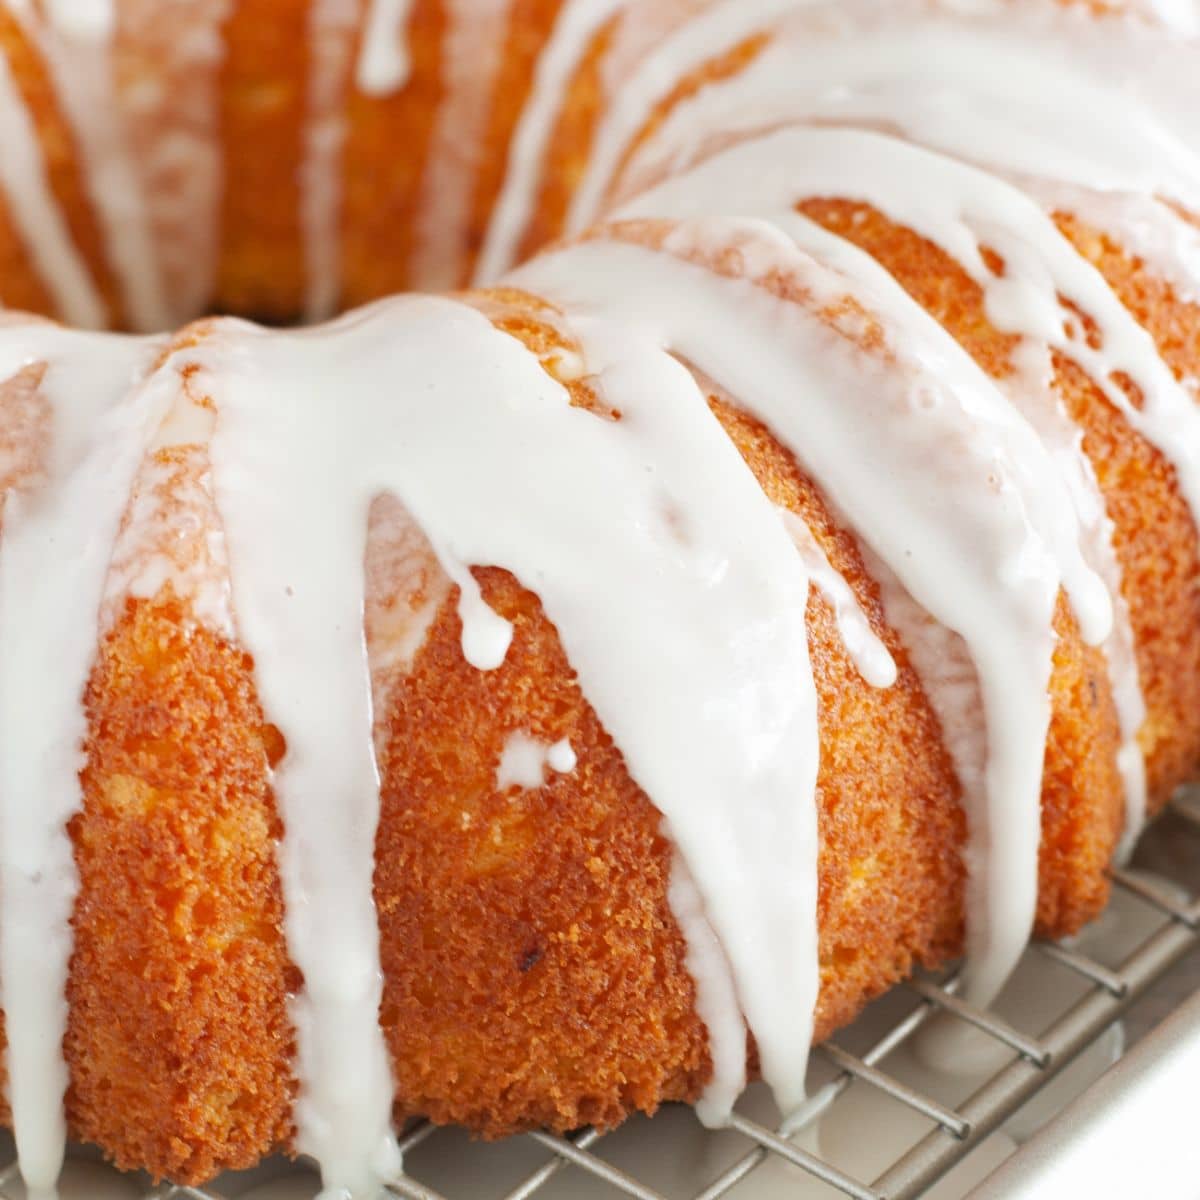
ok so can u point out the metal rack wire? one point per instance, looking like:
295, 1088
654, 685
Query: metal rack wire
956, 1130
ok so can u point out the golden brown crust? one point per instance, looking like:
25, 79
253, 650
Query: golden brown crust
890, 874
531, 25
569, 146
520, 931
534, 974
382, 193
1172, 320
178, 1037
534, 971
261, 269
20, 283
1155, 538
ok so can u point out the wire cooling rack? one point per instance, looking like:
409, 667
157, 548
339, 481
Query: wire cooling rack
1101, 994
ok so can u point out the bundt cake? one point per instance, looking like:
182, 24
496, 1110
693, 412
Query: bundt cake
773, 569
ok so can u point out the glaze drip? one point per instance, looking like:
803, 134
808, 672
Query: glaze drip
58, 533
383, 63
974, 518
332, 489
744, 590
766, 178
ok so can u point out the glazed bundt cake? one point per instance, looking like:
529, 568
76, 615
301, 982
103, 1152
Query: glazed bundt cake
774, 569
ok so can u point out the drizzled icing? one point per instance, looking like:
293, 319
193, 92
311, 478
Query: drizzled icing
768, 176
38, 216
80, 58
474, 48
1142, 226
331, 26
578, 22
717, 28
972, 500
405, 588
1181, 15
524, 761
734, 572
57, 539
170, 538
869, 655
962, 210
383, 62
955, 493
1102, 107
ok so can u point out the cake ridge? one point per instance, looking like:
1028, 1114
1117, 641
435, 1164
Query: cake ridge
922, 407
824, 406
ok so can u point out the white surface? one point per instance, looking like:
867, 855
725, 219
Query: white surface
1134, 1134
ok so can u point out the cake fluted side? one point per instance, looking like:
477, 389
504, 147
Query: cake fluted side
783, 579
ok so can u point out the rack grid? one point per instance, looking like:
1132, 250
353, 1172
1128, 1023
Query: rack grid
956, 1130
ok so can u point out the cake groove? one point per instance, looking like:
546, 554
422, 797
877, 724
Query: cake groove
530, 705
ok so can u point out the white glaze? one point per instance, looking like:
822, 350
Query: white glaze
561, 757
474, 44
694, 43
1142, 226
869, 655
577, 24
405, 589
38, 216
765, 177
1183, 16
168, 57
731, 572
80, 59
331, 26
717, 1003
731, 575
53, 558
95, 20
962, 209
486, 636
1120, 97
949, 678
524, 760
170, 539
383, 62
956, 494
